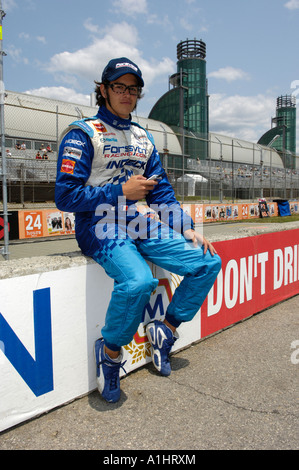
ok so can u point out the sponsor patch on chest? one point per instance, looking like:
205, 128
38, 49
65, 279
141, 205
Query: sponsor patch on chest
114, 151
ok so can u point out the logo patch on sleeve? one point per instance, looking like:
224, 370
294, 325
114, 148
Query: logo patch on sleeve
67, 166
72, 152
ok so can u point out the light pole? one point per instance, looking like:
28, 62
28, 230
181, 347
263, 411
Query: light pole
270, 146
177, 81
262, 170
221, 171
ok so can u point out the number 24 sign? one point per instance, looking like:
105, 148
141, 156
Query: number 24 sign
33, 224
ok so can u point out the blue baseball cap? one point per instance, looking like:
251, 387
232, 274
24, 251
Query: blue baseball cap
118, 67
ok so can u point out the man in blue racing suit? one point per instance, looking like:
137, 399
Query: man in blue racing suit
104, 167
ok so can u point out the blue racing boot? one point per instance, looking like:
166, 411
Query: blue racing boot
107, 373
162, 340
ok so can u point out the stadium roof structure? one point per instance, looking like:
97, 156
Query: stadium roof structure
244, 152
38, 118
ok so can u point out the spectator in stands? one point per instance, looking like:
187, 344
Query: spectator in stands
42, 149
49, 148
38, 156
45, 156
8, 153
18, 146
23, 146
93, 175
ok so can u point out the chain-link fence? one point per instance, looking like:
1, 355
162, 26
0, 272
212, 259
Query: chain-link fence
32, 180
32, 129
232, 170
223, 168
208, 180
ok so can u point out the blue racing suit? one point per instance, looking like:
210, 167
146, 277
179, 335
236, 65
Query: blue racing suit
96, 156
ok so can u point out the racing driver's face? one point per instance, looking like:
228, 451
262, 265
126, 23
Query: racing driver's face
120, 100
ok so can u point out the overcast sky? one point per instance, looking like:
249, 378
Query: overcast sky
57, 48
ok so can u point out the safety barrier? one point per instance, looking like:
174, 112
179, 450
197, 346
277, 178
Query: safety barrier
50, 319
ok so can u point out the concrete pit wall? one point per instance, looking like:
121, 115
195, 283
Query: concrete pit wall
52, 310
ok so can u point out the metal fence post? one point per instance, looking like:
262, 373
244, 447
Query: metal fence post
5, 249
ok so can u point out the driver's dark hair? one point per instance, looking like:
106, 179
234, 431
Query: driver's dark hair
100, 100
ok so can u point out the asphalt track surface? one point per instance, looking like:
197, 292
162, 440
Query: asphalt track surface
235, 390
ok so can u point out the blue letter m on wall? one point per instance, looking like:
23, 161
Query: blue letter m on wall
38, 373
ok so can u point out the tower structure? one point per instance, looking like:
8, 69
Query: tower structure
185, 105
283, 131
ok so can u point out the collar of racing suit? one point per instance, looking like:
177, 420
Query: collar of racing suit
113, 120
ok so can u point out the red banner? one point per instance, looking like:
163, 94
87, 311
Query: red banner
256, 272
